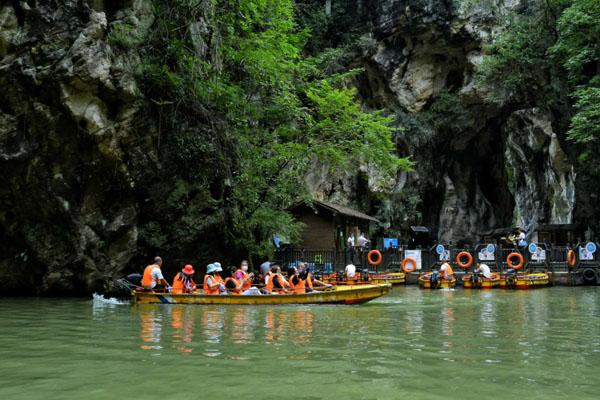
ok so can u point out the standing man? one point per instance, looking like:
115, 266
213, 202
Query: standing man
153, 278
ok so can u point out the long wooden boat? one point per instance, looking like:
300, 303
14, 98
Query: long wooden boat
480, 282
348, 294
425, 282
525, 280
393, 278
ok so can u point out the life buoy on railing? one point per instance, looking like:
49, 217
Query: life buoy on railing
410, 261
519, 257
461, 264
370, 257
571, 258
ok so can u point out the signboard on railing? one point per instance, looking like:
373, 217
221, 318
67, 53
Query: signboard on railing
537, 252
415, 255
442, 252
586, 253
487, 253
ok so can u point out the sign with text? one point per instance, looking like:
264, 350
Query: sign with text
415, 255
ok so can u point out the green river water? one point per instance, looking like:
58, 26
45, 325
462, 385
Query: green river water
411, 344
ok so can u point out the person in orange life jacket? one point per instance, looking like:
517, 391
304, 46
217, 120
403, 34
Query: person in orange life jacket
213, 283
276, 283
241, 274
297, 285
446, 271
232, 284
307, 276
183, 281
153, 278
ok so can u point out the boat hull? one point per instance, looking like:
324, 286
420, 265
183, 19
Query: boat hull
337, 295
526, 281
426, 283
481, 283
393, 278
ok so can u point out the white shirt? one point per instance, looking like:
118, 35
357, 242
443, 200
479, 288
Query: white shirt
350, 241
156, 276
485, 270
350, 270
362, 241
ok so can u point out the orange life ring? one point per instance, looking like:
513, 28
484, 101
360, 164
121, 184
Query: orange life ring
519, 256
571, 258
370, 258
412, 262
469, 259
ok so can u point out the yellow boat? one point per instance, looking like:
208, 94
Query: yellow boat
525, 280
425, 282
347, 294
393, 278
480, 282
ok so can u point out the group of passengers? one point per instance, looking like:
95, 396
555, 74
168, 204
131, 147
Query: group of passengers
238, 282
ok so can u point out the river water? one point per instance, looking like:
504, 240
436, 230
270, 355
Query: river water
459, 344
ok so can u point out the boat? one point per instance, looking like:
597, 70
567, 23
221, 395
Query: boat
525, 280
345, 294
471, 281
427, 281
393, 278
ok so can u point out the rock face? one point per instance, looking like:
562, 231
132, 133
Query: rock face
71, 152
481, 163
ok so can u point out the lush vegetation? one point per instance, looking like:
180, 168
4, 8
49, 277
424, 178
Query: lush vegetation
244, 113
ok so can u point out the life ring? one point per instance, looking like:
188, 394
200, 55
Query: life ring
370, 258
571, 258
412, 262
461, 264
519, 257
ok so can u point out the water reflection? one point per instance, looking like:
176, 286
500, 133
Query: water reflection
150, 327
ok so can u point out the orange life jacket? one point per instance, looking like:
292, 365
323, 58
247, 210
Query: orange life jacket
298, 288
236, 283
448, 272
247, 283
309, 281
282, 283
147, 278
208, 289
179, 283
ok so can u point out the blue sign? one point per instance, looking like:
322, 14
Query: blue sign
390, 242
439, 249
591, 247
532, 248
490, 248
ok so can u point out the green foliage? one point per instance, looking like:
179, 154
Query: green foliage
247, 115
578, 48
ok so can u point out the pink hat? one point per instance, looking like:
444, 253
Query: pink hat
188, 269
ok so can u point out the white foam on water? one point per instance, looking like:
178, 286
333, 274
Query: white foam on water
100, 300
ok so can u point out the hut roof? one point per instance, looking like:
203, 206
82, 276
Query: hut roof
336, 208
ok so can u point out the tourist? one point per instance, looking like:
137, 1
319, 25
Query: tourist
350, 271
232, 284
446, 271
242, 275
362, 241
213, 283
276, 283
522, 238
183, 281
484, 270
265, 268
350, 241
153, 278
297, 285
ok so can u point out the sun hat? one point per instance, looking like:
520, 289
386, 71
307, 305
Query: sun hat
216, 267
188, 269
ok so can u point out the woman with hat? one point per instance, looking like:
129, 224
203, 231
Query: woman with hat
183, 282
213, 283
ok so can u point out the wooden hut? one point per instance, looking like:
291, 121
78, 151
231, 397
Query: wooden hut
328, 225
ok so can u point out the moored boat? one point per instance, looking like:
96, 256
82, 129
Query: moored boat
471, 281
525, 280
393, 278
346, 294
430, 281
